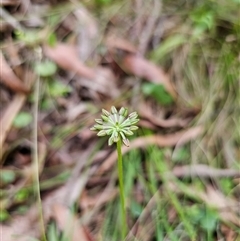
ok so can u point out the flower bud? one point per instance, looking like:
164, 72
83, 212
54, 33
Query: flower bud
105, 112
98, 127
102, 133
105, 118
109, 131
114, 110
134, 121
110, 141
127, 122
127, 132
133, 115
123, 111
99, 121
133, 128
121, 119
126, 142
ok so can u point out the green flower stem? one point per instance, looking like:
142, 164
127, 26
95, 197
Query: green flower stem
118, 125
120, 176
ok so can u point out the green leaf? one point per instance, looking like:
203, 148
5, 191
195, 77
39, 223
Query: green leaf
53, 20
203, 20
168, 45
226, 185
180, 155
52, 39
23, 119
136, 209
4, 215
21, 210
195, 214
28, 37
58, 89
46, 68
209, 221
103, 2
7, 176
21, 195
52, 232
204, 17
46, 104
158, 92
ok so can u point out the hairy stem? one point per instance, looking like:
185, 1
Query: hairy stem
120, 176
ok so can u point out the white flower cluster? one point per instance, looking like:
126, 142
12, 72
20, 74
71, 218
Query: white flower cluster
116, 124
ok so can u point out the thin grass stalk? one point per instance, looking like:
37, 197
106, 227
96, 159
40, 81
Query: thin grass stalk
35, 150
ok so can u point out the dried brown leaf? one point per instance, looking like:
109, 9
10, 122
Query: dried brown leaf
66, 56
104, 82
229, 234
73, 111
27, 227
8, 77
11, 112
10, 2
69, 224
226, 206
9, 115
23, 228
200, 170
179, 138
144, 227
114, 42
143, 68
147, 124
88, 21
88, 32
146, 112
97, 200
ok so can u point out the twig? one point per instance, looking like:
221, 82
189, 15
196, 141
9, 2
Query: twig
147, 31
35, 150
10, 19
200, 170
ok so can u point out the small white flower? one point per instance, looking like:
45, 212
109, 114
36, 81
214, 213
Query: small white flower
116, 125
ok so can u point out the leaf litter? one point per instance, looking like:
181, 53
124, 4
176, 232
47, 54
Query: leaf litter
101, 69
10, 79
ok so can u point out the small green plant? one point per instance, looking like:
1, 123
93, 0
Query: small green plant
7, 177
4, 215
46, 68
22, 120
117, 125
157, 92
